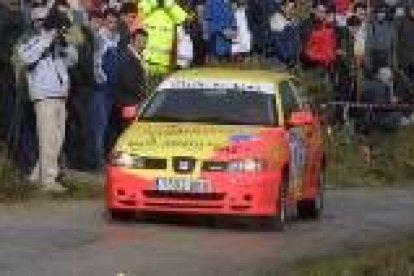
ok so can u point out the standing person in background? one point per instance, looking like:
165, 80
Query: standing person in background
83, 85
221, 28
405, 45
284, 45
161, 20
106, 59
380, 43
242, 45
342, 10
130, 21
196, 29
258, 17
320, 44
131, 83
47, 56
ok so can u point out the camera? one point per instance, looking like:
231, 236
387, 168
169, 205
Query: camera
57, 18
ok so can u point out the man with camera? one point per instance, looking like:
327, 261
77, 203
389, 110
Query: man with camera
47, 54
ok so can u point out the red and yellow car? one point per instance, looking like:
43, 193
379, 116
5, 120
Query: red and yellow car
220, 142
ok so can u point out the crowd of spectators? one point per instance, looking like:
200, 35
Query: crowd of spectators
84, 76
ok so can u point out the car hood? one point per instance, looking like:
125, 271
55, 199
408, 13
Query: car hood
196, 140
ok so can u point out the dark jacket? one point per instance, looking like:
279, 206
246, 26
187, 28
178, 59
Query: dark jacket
380, 44
131, 87
258, 14
285, 44
405, 42
82, 74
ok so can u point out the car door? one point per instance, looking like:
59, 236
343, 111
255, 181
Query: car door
312, 135
297, 140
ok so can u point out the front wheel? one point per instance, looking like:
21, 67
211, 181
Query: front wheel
278, 221
312, 208
117, 215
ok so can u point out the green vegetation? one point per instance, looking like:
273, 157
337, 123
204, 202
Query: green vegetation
394, 258
378, 159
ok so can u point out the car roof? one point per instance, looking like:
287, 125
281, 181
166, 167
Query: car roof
250, 75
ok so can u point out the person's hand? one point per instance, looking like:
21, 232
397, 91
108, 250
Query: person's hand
129, 112
230, 34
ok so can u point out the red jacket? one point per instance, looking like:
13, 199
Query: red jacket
321, 45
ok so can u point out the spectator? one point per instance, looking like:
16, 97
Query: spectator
346, 70
342, 9
161, 21
242, 43
105, 70
47, 57
380, 41
195, 29
405, 45
83, 85
258, 17
131, 85
360, 11
285, 35
320, 45
130, 21
221, 28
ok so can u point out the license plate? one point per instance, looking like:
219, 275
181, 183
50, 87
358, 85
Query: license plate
183, 185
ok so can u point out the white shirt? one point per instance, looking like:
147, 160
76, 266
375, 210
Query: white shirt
242, 43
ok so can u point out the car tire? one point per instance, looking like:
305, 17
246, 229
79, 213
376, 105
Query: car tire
312, 208
117, 215
278, 222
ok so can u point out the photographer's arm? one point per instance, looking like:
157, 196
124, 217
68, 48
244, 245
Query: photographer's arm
31, 51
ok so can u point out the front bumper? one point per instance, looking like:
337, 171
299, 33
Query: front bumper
247, 195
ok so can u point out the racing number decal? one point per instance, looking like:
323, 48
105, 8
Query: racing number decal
297, 146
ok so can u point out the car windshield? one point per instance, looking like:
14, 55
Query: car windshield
211, 106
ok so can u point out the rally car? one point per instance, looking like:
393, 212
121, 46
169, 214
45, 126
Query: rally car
221, 142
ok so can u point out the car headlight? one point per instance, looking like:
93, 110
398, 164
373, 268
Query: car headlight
123, 159
246, 165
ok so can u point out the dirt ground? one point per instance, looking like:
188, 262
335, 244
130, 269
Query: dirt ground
73, 238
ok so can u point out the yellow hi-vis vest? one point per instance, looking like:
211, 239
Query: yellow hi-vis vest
161, 23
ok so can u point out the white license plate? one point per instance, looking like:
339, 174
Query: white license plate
183, 185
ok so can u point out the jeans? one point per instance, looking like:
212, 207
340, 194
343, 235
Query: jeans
102, 104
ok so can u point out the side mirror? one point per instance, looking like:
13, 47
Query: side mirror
129, 113
300, 119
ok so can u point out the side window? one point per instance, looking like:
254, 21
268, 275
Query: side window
290, 102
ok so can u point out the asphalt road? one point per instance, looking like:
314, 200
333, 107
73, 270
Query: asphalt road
72, 238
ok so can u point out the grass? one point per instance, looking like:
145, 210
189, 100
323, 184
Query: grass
378, 159
393, 258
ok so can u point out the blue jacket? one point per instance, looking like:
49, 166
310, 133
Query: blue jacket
285, 45
219, 16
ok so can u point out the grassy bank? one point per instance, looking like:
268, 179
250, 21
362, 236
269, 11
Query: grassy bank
394, 258
378, 159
